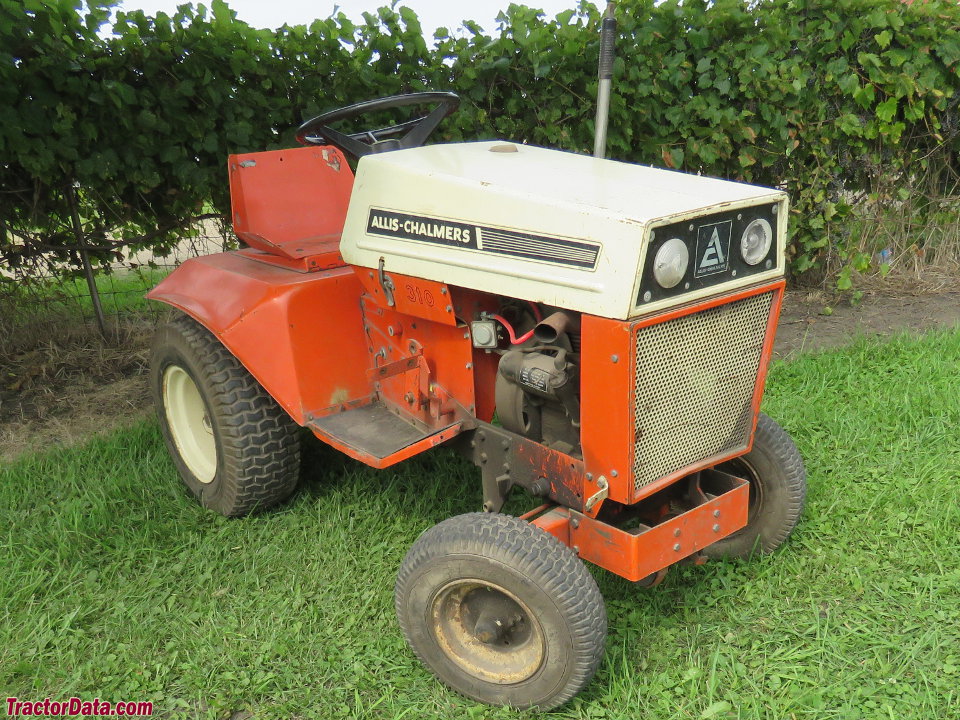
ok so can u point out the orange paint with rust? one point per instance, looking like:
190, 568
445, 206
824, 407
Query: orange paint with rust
409, 451
441, 383
412, 296
313, 362
607, 393
636, 556
606, 402
325, 338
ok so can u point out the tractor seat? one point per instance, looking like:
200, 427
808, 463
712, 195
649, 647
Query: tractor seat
289, 205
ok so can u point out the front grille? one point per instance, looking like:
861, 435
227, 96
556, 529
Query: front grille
694, 387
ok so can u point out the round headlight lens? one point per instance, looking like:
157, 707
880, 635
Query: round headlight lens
670, 262
756, 240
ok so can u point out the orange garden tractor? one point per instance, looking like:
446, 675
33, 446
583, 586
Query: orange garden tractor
593, 332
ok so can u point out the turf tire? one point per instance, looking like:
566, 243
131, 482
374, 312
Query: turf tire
778, 490
528, 563
257, 444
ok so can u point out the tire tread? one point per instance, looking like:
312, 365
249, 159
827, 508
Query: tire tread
260, 442
780, 442
531, 552
768, 530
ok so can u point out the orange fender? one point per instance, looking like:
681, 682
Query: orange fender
299, 334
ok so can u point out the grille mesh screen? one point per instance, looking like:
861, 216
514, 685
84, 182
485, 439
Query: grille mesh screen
695, 377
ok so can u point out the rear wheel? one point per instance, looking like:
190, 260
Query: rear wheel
233, 445
501, 611
778, 488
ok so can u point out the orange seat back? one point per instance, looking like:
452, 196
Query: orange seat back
290, 203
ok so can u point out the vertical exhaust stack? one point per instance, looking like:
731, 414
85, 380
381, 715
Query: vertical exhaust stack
608, 39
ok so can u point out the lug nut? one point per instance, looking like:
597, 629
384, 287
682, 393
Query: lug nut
677, 547
716, 528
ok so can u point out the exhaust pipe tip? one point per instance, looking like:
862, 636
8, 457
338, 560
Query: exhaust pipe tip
550, 328
545, 333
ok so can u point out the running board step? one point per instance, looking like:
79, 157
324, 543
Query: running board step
375, 435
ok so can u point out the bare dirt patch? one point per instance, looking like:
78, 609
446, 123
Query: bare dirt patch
814, 320
71, 385
74, 414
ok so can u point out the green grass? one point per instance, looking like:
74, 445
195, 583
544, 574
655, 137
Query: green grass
121, 292
115, 584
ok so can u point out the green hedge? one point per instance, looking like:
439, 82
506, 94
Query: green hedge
826, 98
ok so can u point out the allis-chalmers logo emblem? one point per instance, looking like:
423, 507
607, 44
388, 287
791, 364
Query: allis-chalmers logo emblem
713, 248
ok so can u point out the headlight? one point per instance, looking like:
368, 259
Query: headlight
755, 241
670, 263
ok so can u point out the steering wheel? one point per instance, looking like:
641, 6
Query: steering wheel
412, 133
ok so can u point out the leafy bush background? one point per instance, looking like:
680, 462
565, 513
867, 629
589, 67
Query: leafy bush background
834, 100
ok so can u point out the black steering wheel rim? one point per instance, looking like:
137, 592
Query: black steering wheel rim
413, 133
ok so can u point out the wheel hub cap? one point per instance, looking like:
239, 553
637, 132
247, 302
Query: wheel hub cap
487, 631
189, 423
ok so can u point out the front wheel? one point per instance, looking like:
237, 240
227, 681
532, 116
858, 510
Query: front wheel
233, 445
778, 488
501, 611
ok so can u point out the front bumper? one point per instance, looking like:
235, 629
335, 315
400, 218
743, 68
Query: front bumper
636, 555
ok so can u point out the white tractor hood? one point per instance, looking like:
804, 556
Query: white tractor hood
526, 222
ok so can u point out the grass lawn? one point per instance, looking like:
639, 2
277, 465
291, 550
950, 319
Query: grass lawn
120, 291
56, 311
115, 584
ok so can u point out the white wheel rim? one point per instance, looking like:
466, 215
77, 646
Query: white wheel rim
189, 423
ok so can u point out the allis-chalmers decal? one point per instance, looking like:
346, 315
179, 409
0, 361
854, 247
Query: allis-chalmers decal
542, 248
713, 248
